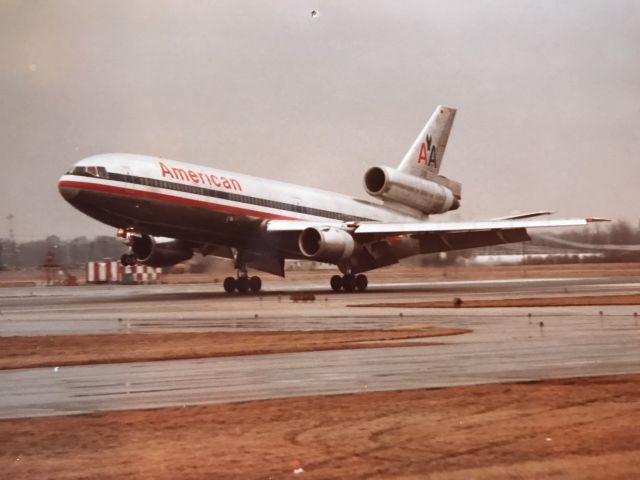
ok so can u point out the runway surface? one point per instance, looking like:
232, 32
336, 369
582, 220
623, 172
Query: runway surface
506, 344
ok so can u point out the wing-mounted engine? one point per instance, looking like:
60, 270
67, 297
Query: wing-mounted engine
434, 194
159, 254
326, 244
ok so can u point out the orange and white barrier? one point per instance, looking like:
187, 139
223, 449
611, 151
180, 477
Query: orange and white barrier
115, 272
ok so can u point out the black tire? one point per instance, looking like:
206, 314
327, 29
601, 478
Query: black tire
128, 260
336, 283
362, 282
349, 283
255, 284
242, 284
229, 284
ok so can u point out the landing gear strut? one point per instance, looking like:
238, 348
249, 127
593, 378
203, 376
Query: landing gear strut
242, 284
349, 282
127, 259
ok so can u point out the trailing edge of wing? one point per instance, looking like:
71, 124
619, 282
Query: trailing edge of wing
521, 216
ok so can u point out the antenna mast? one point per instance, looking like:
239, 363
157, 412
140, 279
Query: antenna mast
12, 242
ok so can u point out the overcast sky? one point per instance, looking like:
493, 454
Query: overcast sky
548, 96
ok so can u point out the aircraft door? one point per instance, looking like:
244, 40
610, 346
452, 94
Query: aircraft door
128, 180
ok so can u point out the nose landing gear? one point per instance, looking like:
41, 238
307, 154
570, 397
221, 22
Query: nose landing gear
349, 283
128, 260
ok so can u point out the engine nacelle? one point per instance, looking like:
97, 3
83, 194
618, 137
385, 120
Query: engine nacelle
326, 244
155, 254
427, 196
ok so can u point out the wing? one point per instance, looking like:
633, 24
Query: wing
383, 243
386, 243
358, 229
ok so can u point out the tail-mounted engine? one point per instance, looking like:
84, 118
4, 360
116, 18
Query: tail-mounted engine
326, 244
435, 194
155, 254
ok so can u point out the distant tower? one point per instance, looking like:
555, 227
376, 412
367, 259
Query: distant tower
13, 248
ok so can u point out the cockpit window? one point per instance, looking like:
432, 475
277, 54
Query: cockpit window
90, 171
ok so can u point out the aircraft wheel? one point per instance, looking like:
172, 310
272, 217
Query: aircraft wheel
255, 284
128, 260
336, 283
349, 283
229, 284
362, 282
242, 284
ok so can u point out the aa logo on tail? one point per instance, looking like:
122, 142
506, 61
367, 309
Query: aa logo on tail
425, 147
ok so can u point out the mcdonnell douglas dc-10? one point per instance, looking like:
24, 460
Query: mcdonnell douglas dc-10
167, 210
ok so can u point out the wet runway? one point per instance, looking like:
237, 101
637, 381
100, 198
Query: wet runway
506, 344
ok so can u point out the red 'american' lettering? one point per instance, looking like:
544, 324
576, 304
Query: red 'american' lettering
176, 173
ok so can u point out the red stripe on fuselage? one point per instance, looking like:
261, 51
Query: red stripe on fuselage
131, 193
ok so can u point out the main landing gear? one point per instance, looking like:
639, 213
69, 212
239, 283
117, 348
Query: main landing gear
349, 282
242, 284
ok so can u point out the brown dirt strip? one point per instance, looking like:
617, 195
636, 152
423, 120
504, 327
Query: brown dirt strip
42, 351
592, 300
406, 272
564, 429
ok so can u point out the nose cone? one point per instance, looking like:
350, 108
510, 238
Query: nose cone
67, 191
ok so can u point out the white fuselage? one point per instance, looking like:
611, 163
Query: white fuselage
206, 206
138, 177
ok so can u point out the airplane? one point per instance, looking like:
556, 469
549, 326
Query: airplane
166, 210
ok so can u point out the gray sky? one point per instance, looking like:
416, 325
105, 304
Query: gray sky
548, 95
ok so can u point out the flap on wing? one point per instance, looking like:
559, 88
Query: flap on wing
442, 242
521, 216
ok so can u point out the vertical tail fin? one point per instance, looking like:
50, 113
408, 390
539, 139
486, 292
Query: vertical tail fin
425, 155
